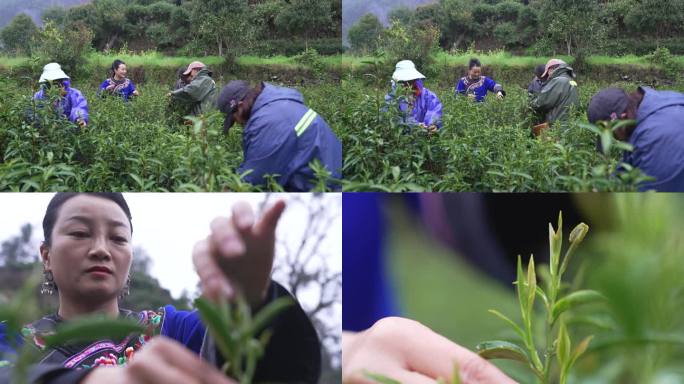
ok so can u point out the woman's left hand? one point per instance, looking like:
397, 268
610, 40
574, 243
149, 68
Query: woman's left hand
238, 254
500, 95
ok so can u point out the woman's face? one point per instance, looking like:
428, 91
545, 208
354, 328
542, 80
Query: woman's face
121, 71
91, 251
475, 72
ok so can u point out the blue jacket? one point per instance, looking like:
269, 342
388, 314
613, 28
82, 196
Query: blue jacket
427, 109
282, 136
479, 88
124, 90
658, 140
74, 105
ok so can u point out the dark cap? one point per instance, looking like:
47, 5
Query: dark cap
233, 93
608, 104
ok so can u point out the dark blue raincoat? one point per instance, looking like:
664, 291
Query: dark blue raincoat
282, 136
658, 140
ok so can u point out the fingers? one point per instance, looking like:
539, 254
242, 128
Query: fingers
269, 221
243, 217
473, 368
226, 238
214, 284
163, 360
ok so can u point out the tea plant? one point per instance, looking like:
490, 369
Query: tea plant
142, 145
553, 362
241, 337
481, 147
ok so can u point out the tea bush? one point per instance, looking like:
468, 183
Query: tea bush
141, 146
481, 147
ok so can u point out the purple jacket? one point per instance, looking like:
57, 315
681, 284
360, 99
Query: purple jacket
658, 140
427, 108
74, 105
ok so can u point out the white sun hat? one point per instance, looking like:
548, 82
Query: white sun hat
405, 70
52, 71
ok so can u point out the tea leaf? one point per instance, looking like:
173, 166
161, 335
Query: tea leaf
92, 328
574, 299
269, 312
380, 378
531, 285
498, 349
515, 326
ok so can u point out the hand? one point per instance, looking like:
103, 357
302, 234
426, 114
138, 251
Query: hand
500, 95
432, 129
411, 353
471, 96
161, 360
81, 123
136, 93
238, 254
110, 86
168, 94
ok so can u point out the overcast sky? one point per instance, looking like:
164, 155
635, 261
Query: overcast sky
167, 225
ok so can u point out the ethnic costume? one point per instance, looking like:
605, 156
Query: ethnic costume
123, 88
478, 87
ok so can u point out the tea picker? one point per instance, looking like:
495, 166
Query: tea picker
557, 95
476, 86
72, 104
421, 106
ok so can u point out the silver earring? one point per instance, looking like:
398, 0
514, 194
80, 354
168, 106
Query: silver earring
126, 288
48, 287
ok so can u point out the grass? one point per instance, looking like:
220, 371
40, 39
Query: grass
156, 59
505, 59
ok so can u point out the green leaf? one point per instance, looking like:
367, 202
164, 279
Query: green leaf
498, 349
269, 312
92, 328
521, 288
213, 320
581, 348
380, 378
563, 347
574, 299
531, 286
510, 322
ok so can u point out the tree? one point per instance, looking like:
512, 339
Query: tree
656, 18
223, 24
305, 17
363, 36
305, 269
17, 36
145, 291
19, 249
574, 25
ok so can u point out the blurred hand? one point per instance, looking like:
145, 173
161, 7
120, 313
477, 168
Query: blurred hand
161, 360
81, 123
471, 96
136, 93
110, 87
168, 94
432, 129
411, 353
500, 95
238, 254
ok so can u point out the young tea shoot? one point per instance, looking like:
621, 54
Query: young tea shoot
552, 362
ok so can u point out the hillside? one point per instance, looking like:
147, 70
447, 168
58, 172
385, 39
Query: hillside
352, 10
33, 8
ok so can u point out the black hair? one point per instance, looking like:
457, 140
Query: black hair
474, 63
115, 66
60, 198
539, 70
